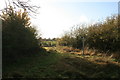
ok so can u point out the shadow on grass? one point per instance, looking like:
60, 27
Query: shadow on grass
51, 64
75, 67
34, 66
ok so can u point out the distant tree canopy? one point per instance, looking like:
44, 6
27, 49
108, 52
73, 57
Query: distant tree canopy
18, 36
104, 36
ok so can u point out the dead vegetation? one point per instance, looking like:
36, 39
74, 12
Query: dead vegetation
84, 68
92, 64
89, 52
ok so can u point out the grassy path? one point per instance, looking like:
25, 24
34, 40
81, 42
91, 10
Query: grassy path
37, 66
62, 65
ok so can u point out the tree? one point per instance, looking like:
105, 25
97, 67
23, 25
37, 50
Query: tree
104, 36
19, 38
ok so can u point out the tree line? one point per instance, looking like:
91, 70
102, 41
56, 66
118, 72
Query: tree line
103, 36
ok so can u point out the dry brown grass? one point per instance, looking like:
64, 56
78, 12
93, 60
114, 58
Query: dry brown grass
92, 64
116, 55
87, 67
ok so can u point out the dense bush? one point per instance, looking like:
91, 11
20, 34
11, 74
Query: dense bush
74, 37
19, 38
104, 36
66, 40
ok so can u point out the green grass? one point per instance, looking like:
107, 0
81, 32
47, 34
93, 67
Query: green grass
32, 66
62, 65
49, 43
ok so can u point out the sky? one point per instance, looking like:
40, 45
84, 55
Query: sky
57, 16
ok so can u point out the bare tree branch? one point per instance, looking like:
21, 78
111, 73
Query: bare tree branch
31, 9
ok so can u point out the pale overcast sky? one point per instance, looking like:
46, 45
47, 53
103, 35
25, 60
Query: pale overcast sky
57, 16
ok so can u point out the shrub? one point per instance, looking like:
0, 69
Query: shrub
19, 38
104, 36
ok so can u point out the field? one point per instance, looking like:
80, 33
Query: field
26, 53
56, 63
49, 43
